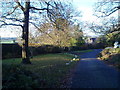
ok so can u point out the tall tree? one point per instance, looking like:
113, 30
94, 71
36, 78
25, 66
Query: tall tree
10, 16
58, 30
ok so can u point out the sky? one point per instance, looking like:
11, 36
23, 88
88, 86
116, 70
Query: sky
81, 5
85, 6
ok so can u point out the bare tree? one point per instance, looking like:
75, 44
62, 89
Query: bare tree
110, 25
58, 30
105, 8
11, 17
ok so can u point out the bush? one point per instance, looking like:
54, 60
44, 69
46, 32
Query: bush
110, 51
115, 59
15, 51
11, 51
111, 55
45, 49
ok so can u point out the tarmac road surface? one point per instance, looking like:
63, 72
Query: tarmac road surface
93, 73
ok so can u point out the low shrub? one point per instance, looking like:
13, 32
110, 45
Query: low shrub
111, 55
109, 52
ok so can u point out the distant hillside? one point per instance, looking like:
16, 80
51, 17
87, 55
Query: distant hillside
8, 40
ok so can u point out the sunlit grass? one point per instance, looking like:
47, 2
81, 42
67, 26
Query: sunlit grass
84, 51
39, 57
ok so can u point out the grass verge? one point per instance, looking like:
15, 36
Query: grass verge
46, 71
84, 51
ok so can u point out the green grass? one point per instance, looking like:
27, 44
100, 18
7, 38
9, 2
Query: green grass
40, 57
50, 68
84, 51
46, 71
12, 61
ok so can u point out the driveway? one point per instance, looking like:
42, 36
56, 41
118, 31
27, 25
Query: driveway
93, 73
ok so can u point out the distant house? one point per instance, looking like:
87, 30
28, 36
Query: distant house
90, 40
7, 40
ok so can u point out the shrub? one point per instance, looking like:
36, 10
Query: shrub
110, 51
11, 51
112, 55
14, 50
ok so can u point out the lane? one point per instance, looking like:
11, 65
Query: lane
93, 73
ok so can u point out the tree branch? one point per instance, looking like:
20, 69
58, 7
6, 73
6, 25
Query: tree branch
41, 30
49, 4
38, 8
14, 19
9, 24
13, 10
110, 12
20, 6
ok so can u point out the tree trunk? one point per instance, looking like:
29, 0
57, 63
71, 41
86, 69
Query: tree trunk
25, 33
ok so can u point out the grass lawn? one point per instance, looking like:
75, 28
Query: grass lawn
46, 71
50, 70
84, 51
